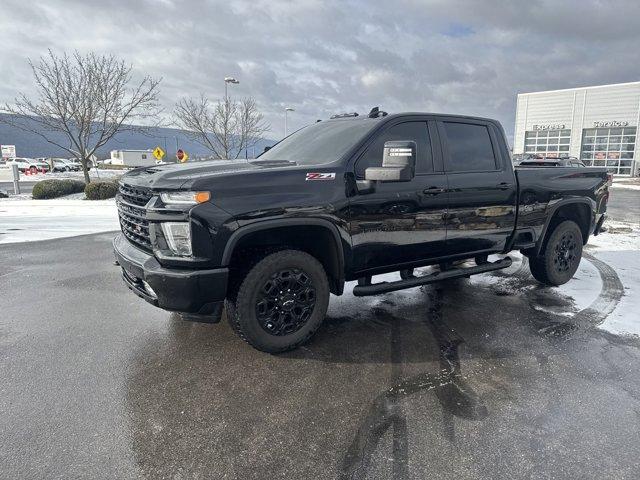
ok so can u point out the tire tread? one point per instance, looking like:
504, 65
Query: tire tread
538, 265
244, 290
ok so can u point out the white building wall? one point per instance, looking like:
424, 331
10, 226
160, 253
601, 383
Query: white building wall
521, 120
577, 109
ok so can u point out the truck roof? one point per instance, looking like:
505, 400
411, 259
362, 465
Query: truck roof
410, 114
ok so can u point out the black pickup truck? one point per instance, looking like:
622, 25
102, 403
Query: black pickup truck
340, 200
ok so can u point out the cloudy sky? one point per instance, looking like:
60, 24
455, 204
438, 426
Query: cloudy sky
323, 57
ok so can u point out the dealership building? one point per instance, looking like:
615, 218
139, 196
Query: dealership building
598, 125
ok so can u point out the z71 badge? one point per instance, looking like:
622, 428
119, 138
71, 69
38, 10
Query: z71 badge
321, 176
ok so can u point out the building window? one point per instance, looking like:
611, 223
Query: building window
613, 148
547, 143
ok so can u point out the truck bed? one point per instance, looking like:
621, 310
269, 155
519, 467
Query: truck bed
542, 190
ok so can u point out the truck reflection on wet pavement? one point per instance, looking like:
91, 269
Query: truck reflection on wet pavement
456, 380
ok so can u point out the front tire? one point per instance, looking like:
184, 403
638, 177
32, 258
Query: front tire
281, 301
561, 257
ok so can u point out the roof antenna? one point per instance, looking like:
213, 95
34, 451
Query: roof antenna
376, 112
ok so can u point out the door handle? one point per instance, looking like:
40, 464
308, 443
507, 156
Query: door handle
433, 190
504, 186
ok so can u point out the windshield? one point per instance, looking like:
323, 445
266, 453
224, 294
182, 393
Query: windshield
320, 143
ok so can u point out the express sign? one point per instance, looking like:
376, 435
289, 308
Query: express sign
550, 126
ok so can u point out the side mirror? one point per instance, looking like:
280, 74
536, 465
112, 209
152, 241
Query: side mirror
266, 149
398, 163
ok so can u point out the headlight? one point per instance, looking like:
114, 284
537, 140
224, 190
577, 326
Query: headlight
178, 235
184, 198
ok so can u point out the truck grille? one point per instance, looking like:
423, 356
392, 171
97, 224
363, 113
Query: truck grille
133, 216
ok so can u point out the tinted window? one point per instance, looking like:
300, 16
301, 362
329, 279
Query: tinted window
469, 147
416, 131
322, 142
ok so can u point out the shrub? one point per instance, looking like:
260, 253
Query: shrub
101, 190
56, 188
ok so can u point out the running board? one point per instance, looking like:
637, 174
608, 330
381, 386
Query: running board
363, 289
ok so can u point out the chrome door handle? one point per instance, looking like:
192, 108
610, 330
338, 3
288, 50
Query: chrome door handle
433, 190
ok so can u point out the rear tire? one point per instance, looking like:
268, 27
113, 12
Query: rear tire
281, 301
561, 257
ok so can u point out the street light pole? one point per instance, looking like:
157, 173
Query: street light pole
287, 109
227, 81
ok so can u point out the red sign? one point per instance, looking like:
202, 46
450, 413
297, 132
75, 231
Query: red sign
180, 154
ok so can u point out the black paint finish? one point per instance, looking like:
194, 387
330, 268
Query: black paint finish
377, 227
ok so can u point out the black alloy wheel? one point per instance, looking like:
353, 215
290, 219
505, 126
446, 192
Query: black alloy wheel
285, 302
276, 302
561, 254
565, 252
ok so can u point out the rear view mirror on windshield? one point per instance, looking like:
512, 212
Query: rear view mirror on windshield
398, 163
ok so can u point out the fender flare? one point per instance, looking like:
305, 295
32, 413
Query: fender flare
567, 201
241, 232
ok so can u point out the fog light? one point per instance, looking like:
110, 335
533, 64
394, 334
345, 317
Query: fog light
148, 289
178, 235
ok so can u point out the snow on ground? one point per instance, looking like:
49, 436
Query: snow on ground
582, 290
619, 247
625, 186
26, 220
628, 183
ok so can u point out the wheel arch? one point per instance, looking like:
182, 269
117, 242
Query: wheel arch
312, 235
579, 210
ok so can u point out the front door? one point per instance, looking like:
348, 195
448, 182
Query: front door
482, 187
395, 223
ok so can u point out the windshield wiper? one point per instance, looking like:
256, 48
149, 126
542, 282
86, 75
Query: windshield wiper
273, 162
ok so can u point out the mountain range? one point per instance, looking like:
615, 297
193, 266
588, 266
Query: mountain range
32, 146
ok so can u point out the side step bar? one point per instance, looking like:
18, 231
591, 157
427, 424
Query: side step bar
364, 288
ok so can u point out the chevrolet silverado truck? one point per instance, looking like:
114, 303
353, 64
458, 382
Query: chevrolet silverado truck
343, 200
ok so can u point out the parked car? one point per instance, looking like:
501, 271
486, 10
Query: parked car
78, 162
41, 166
346, 199
552, 162
29, 164
52, 164
64, 165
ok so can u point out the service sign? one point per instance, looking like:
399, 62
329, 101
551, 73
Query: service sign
8, 151
612, 123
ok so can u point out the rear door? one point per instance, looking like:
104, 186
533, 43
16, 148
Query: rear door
400, 222
482, 187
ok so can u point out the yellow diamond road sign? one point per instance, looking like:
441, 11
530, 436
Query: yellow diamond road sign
158, 153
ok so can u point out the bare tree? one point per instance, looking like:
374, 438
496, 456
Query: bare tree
82, 102
226, 129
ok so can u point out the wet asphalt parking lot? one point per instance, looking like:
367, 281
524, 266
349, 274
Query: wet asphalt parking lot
457, 381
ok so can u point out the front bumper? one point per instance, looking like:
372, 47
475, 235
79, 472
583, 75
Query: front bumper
199, 292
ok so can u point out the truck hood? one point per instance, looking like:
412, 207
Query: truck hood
180, 176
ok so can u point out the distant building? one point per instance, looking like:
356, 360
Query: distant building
598, 125
133, 158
